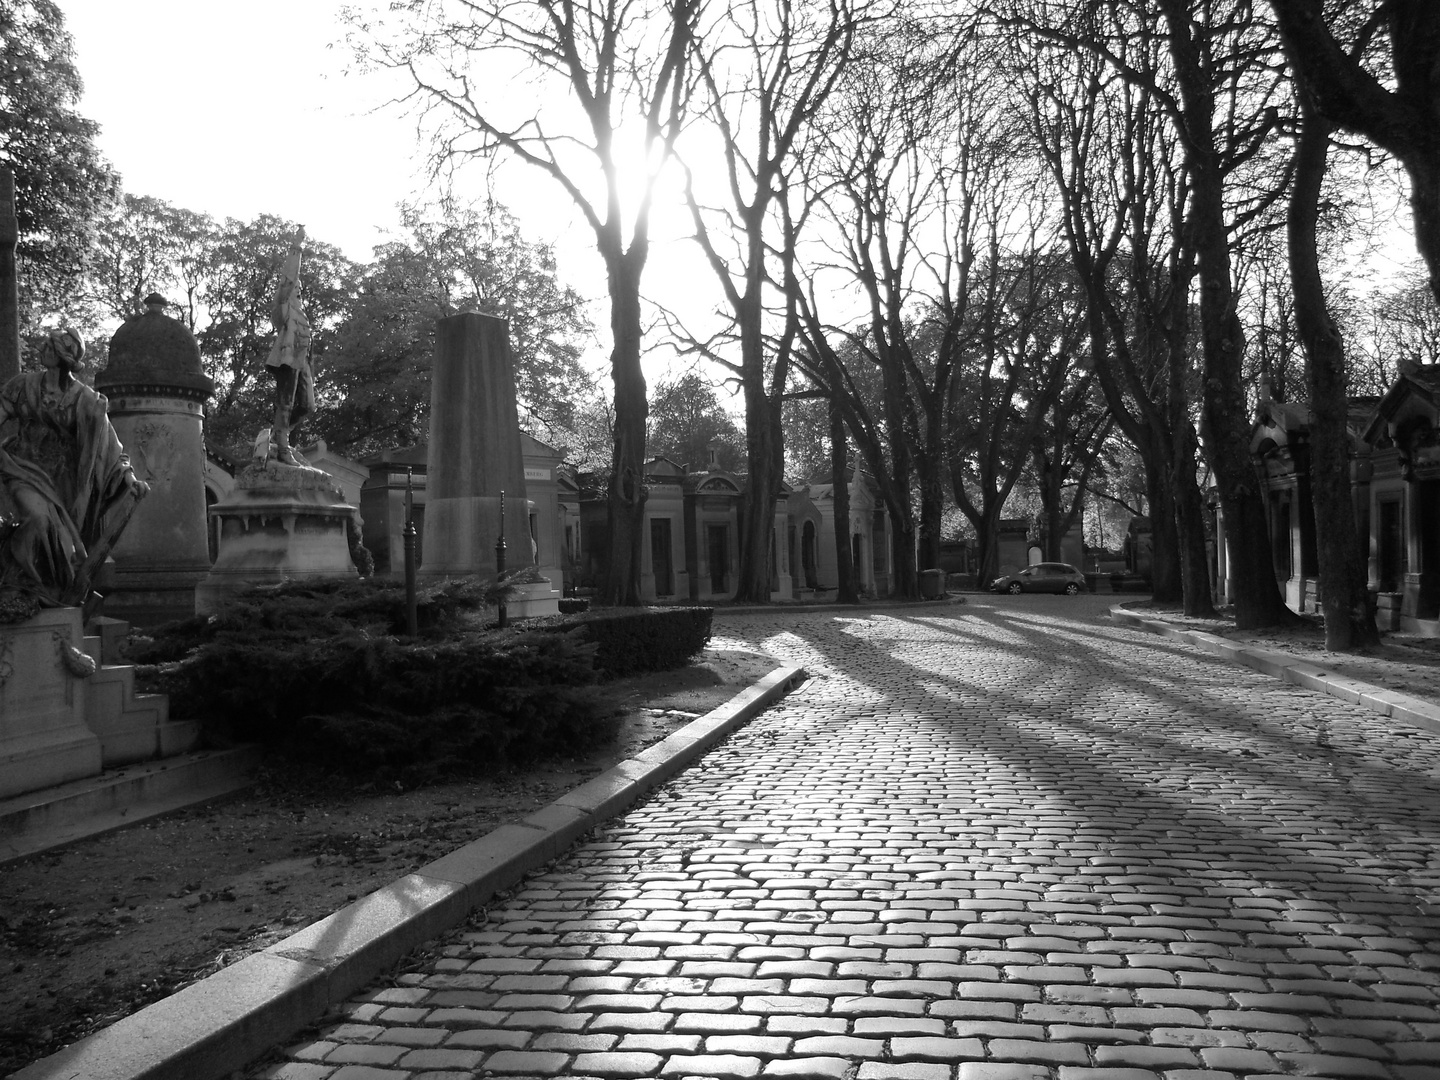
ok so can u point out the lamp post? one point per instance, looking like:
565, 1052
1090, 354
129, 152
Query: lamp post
500, 561
412, 621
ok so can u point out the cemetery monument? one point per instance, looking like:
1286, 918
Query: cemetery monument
474, 456
284, 520
67, 491
157, 390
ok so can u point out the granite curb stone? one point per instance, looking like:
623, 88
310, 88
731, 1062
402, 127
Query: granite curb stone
210, 1028
1294, 669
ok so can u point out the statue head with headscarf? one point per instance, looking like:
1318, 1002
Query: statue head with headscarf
67, 347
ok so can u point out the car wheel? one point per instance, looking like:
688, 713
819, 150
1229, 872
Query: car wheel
1071, 589
1014, 588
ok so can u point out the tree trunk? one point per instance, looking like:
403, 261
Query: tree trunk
902, 553
762, 487
1185, 498
1225, 414
987, 542
625, 495
903, 473
1165, 576
840, 491
1344, 596
764, 457
929, 473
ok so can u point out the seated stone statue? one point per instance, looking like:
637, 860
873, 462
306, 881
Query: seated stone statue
66, 485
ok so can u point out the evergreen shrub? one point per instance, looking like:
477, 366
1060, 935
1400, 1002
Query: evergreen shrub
634, 640
574, 605
319, 672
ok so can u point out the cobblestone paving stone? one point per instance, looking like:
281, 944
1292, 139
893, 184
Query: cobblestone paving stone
1001, 841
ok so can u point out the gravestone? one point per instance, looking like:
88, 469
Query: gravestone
475, 454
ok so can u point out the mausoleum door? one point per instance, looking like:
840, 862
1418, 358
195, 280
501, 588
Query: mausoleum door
718, 549
1427, 505
660, 557
1391, 536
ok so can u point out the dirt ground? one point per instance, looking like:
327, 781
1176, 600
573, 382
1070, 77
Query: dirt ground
100, 929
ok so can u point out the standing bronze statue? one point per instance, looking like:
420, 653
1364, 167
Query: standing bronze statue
289, 357
66, 485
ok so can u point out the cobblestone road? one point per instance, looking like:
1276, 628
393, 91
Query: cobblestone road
1000, 841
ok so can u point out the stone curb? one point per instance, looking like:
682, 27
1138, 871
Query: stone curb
211, 1028
1294, 669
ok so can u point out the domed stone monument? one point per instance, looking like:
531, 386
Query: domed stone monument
157, 390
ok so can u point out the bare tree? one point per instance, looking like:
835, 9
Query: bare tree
1222, 92
1389, 93
1066, 451
1113, 156
622, 64
767, 67
1344, 596
1029, 335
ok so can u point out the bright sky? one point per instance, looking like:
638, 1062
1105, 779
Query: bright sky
239, 110
235, 116
235, 110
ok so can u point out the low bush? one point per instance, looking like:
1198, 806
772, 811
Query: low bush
317, 672
574, 605
321, 672
634, 640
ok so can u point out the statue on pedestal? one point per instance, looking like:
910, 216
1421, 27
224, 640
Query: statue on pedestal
66, 485
289, 357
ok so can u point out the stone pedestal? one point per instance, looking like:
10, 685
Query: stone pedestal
165, 552
44, 739
281, 523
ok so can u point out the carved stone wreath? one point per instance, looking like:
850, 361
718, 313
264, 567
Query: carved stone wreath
79, 664
153, 454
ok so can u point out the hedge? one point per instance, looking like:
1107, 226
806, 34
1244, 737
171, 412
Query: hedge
321, 673
635, 640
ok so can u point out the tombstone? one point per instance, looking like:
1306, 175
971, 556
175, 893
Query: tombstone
474, 456
157, 391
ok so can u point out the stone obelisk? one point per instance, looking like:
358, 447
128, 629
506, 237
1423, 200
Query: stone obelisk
474, 452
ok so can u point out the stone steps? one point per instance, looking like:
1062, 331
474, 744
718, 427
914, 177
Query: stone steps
132, 727
60, 815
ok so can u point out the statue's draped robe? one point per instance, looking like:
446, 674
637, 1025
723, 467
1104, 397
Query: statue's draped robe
62, 447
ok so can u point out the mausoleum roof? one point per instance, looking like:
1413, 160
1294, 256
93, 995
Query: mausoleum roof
154, 350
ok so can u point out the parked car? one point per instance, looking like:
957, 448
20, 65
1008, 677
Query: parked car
1056, 577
